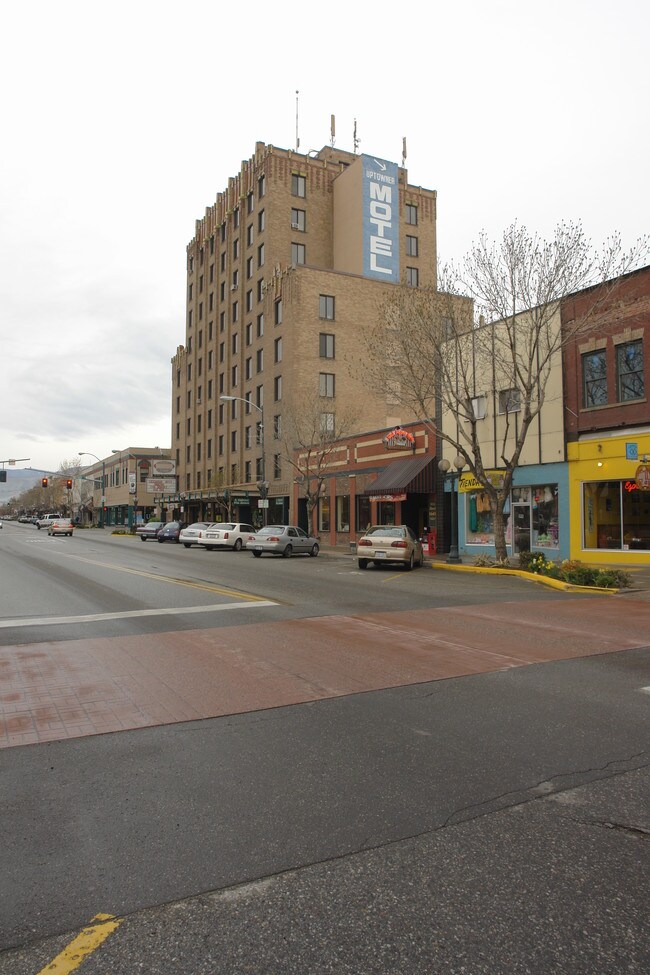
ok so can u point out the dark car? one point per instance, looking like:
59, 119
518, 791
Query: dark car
150, 530
171, 532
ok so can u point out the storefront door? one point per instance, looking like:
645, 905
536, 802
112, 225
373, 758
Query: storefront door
521, 526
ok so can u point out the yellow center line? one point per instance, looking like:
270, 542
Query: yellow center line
90, 938
221, 590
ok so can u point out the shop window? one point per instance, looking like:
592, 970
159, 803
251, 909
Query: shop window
509, 401
362, 520
324, 515
343, 513
602, 515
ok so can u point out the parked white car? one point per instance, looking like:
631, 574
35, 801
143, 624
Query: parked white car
285, 540
192, 534
231, 534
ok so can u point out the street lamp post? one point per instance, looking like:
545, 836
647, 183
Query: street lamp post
87, 453
262, 484
454, 476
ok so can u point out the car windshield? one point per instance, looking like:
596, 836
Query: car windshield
391, 531
271, 530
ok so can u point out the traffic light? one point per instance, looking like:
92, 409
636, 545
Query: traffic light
68, 484
44, 482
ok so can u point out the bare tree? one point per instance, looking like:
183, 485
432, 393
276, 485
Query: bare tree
434, 352
311, 436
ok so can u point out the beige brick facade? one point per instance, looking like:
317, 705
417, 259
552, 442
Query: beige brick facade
280, 236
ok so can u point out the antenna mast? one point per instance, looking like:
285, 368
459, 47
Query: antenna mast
403, 152
297, 137
355, 141
332, 130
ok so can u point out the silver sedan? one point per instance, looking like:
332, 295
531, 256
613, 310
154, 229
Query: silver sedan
285, 540
231, 534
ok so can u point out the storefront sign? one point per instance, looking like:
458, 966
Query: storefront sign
161, 467
388, 497
469, 483
398, 438
631, 451
161, 485
240, 500
642, 477
380, 190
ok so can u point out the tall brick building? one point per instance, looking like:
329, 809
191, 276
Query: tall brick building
285, 272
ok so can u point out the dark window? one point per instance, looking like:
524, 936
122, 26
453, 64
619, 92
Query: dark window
298, 218
411, 214
594, 379
297, 253
326, 384
326, 345
326, 307
629, 371
412, 277
509, 401
298, 185
411, 246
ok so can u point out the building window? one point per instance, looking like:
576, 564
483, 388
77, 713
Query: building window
297, 253
411, 214
260, 255
212, 267
249, 235
277, 348
326, 345
594, 379
278, 311
210, 359
324, 514
261, 221
209, 419
248, 443
326, 384
478, 405
326, 307
261, 187
277, 388
249, 368
223, 261
247, 472
298, 185
259, 363
411, 246
249, 268
509, 401
298, 219
249, 334
178, 404
235, 343
189, 291
250, 202
327, 424
233, 379
277, 426
412, 277
235, 218
233, 441
343, 513
249, 300
222, 321
277, 467
260, 326
629, 371
200, 282
259, 396
235, 311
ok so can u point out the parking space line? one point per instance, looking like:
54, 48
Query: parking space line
89, 940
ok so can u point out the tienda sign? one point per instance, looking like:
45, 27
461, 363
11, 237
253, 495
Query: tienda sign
642, 477
380, 219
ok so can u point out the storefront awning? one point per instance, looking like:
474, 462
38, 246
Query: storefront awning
413, 475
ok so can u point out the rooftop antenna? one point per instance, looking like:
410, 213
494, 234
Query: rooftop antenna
355, 141
403, 152
297, 137
332, 130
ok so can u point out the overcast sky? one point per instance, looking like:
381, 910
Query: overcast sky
122, 121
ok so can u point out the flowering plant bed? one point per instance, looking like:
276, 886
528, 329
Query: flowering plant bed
567, 570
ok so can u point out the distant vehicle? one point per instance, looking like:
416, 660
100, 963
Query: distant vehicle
60, 526
171, 532
226, 535
192, 534
44, 522
25, 519
390, 543
285, 540
150, 530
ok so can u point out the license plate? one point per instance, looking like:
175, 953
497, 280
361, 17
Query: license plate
258, 548
379, 555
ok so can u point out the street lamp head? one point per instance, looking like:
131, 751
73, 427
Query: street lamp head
443, 465
459, 462
228, 399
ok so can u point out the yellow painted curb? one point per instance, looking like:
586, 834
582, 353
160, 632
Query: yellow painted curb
528, 576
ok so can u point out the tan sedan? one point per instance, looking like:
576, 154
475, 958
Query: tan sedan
390, 543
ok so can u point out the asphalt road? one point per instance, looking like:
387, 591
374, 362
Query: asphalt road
492, 823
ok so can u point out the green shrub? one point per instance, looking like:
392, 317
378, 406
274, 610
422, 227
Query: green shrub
525, 558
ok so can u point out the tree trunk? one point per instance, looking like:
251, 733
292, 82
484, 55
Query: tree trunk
500, 549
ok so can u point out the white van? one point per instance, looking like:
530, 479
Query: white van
46, 520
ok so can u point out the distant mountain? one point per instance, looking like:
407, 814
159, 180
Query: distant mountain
19, 480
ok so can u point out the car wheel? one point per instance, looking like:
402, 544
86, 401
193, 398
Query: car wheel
39, 527
237, 546
161, 540
363, 563
142, 538
258, 555
411, 562
187, 545
314, 550
288, 552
